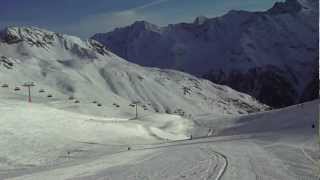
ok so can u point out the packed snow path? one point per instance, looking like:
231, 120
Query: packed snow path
175, 160
244, 157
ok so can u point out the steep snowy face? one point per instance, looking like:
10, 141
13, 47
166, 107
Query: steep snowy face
200, 20
270, 55
65, 66
32, 38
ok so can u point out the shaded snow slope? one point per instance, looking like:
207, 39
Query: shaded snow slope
66, 66
271, 55
298, 117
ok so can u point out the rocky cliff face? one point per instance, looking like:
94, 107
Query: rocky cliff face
270, 55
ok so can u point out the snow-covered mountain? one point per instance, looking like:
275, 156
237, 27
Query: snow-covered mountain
271, 55
65, 66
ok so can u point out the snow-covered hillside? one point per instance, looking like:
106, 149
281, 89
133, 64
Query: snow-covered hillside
38, 134
271, 55
67, 67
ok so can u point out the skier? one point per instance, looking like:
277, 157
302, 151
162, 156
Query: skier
190, 137
129, 148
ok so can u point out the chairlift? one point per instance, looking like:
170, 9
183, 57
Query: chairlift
71, 98
5, 85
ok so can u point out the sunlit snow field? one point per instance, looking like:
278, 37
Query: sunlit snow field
55, 139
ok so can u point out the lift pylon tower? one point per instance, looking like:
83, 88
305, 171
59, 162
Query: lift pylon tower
29, 85
136, 103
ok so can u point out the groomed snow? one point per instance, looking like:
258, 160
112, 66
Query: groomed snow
35, 134
285, 148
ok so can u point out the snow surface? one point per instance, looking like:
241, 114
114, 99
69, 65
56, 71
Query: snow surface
278, 144
37, 134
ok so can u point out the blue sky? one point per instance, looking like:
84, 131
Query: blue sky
85, 17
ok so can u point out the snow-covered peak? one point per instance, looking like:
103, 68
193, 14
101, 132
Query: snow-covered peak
37, 37
144, 25
200, 20
39, 40
289, 6
33, 35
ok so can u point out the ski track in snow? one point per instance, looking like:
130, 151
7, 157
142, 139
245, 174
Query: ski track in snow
213, 167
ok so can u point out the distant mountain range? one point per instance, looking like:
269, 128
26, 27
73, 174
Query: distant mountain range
271, 55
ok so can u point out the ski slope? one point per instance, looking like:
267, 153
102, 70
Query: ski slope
56, 137
37, 134
276, 145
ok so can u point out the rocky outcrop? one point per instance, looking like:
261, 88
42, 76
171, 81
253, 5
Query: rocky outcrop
269, 84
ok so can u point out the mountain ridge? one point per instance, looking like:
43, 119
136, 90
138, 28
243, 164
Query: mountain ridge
280, 42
